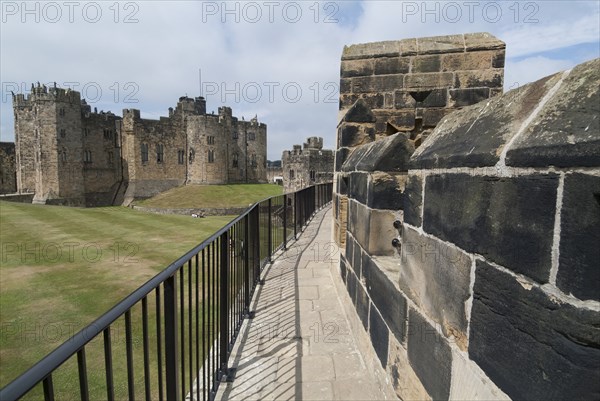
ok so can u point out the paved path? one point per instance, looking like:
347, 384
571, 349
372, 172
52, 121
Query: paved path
299, 346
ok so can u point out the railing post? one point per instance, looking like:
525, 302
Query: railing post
270, 233
224, 303
172, 377
257, 244
284, 222
246, 265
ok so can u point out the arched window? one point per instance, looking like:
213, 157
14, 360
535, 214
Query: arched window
235, 160
160, 157
144, 148
211, 156
192, 155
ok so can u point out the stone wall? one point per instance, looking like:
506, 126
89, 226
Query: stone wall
472, 258
307, 165
8, 173
409, 86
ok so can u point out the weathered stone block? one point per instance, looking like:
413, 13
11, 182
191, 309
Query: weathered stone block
475, 136
482, 41
432, 117
376, 49
379, 335
431, 80
359, 221
340, 157
498, 59
357, 260
437, 279
386, 191
469, 382
413, 198
343, 268
533, 346
358, 188
578, 271
363, 304
342, 185
386, 297
351, 283
392, 65
468, 96
360, 112
467, 61
403, 100
345, 85
349, 248
492, 78
400, 120
381, 233
426, 64
471, 211
390, 154
404, 380
356, 68
564, 136
430, 356
441, 44
377, 84
347, 100
353, 135
436, 98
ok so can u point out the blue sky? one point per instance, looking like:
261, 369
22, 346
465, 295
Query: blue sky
277, 60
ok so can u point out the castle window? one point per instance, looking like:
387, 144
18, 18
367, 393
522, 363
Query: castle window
87, 156
253, 160
110, 158
61, 112
313, 175
181, 156
63, 133
144, 152
210, 140
235, 160
159, 153
192, 155
86, 131
235, 135
63, 155
108, 134
251, 136
291, 174
211, 156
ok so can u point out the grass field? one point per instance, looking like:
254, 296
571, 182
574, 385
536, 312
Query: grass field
60, 268
213, 196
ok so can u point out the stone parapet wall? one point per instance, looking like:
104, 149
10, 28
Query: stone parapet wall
471, 256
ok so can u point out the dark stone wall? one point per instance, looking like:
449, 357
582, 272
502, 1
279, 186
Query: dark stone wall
8, 168
471, 248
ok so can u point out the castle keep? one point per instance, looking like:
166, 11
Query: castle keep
307, 165
68, 154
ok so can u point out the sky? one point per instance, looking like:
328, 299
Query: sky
276, 60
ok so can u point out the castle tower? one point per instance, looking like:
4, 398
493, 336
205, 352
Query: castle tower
48, 145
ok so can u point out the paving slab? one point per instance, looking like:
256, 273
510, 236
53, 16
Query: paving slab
299, 345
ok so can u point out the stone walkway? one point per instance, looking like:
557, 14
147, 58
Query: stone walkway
300, 346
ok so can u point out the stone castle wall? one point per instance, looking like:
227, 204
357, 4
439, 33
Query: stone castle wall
67, 154
8, 173
307, 165
471, 259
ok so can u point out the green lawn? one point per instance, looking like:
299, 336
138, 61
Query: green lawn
213, 196
60, 268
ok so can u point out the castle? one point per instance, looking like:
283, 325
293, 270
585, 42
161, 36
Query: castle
68, 154
307, 165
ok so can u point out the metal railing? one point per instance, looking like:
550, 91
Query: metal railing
190, 316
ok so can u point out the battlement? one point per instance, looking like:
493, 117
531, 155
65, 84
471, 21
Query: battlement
42, 93
131, 113
313, 142
190, 105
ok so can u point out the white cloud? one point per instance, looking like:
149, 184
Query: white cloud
162, 53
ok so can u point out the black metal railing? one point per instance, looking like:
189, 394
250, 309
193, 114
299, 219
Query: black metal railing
181, 325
